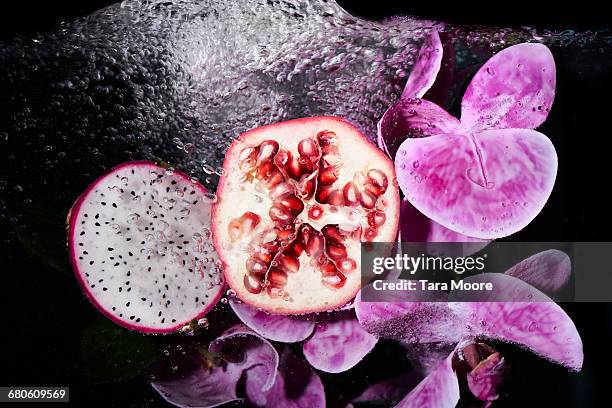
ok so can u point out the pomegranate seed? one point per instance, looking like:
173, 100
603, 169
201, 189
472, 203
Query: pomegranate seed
332, 233
306, 188
254, 266
292, 203
336, 198
379, 180
274, 179
234, 230
334, 281
351, 194
294, 167
315, 212
275, 292
267, 150
264, 171
297, 248
280, 215
328, 175
336, 251
263, 255
370, 234
252, 283
288, 263
284, 234
314, 244
368, 200
347, 265
246, 158
249, 221
308, 147
277, 278
281, 189
376, 218
323, 193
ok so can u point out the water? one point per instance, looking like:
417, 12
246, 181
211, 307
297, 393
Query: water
177, 81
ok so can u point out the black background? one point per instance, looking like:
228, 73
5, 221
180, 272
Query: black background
44, 311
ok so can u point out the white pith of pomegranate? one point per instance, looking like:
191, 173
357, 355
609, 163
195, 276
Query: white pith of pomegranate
295, 203
139, 242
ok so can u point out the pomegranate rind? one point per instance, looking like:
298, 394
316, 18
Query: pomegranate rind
71, 221
229, 205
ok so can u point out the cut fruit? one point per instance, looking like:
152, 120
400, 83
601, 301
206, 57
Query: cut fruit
140, 245
295, 203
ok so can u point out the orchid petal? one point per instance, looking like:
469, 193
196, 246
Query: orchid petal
440, 389
338, 344
513, 89
411, 322
296, 386
388, 391
426, 67
425, 357
286, 329
485, 379
241, 349
201, 388
548, 271
518, 313
245, 348
487, 185
413, 117
416, 227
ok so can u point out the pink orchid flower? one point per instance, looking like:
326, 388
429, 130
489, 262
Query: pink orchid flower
333, 342
269, 379
489, 174
527, 318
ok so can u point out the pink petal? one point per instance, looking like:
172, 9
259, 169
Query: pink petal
485, 379
286, 329
296, 386
338, 343
388, 391
241, 349
426, 67
412, 322
488, 185
415, 227
548, 271
201, 388
412, 117
425, 357
513, 89
440, 389
538, 324
245, 349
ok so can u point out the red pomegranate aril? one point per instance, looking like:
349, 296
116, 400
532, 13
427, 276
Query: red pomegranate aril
292, 203
277, 278
334, 281
247, 158
347, 265
254, 265
264, 171
376, 218
297, 248
332, 233
367, 199
284, 234
267, 150
315, 212
308, 147
379, 179
294, 167
323, 193
280, 190
351, 193
328, 175
280, 215
370, 234
288, 263
306, 187
336, 251
253, 282
335, 198
314, 244
244, 224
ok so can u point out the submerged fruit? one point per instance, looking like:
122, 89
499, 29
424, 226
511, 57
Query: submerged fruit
295, 203
139, 242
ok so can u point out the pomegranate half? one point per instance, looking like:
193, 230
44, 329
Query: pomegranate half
295, 202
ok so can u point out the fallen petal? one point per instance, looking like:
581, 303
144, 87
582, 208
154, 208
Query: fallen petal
412, 117
241, 349
416, 227
426, 67
548, 271
296, 386
487, 185
513, 89
518, 313
286, 329
338, 343
440, 389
